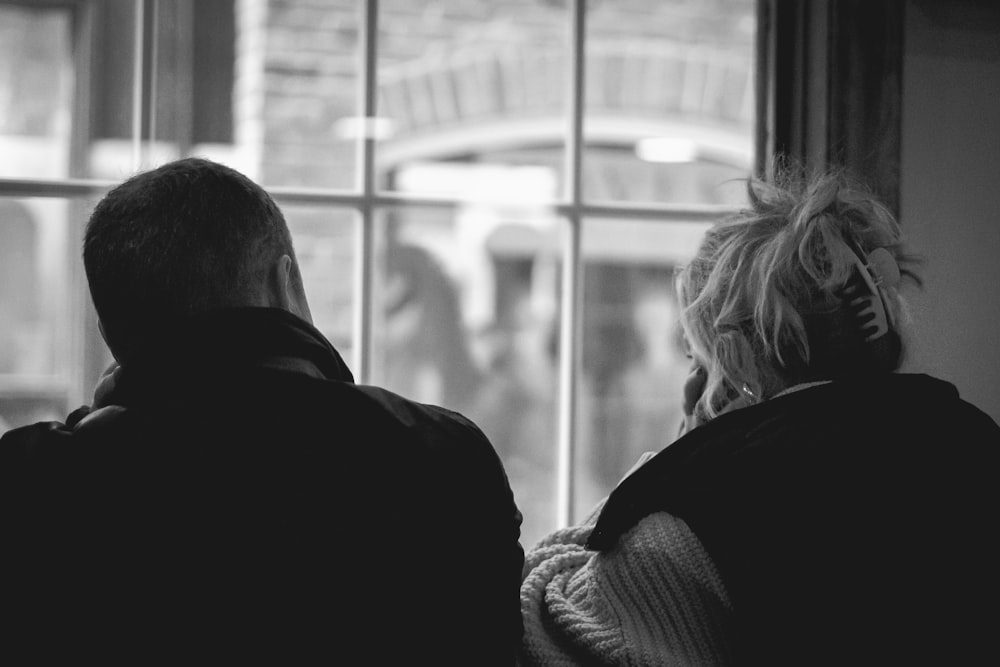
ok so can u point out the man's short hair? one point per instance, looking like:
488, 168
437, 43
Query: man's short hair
184, 238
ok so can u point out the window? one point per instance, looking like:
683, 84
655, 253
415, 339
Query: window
487, 198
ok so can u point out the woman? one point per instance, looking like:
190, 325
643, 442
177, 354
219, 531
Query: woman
820, 507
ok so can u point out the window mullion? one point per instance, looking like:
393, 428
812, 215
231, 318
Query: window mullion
138, 82
570, 330
152, 37
365, 264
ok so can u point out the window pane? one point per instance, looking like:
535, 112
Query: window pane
190, 83
297, 77
41, 287
324, 241
259, 87
633, 364
467, 317
469, 83
36, 87
669, 101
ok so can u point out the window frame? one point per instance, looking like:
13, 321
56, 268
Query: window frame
367, 200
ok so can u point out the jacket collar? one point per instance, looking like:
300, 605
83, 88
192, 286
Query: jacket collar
734, 437
224, 342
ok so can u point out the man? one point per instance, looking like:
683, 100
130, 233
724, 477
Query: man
238, 496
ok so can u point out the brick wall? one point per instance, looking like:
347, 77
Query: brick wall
444, 63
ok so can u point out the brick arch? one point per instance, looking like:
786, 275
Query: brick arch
465, 99
730, 145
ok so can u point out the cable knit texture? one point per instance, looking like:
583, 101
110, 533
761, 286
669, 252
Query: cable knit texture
655, 599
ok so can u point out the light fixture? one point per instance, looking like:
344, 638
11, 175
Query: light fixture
666, 149
365, 127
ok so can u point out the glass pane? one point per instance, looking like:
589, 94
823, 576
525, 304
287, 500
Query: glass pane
36, 88
108, 134
324, 241
669, 101
633, 363
467, 317
191, 93
296, 95
264, 90
41, 293
471, 83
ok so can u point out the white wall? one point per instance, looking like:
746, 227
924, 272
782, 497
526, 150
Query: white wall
950, 190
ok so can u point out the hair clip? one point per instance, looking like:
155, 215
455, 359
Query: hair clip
868, 307
883, 267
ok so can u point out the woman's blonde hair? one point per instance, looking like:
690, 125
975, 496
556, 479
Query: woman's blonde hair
761, 302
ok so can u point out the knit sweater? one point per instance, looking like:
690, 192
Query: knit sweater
655, 599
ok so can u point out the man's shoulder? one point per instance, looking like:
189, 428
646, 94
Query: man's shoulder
288, 416
408, 408
438, 427
321, 410
360, 401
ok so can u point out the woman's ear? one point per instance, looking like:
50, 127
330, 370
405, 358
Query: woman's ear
694, 387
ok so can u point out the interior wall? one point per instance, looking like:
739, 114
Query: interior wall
950, 191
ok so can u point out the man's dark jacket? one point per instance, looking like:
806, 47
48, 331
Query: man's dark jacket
252, 502
853, 523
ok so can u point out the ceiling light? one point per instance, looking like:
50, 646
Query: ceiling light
366, 127
666, 149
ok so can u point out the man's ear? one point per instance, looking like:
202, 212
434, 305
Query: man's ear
107, 340
279, 283
286, 288
104, 335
